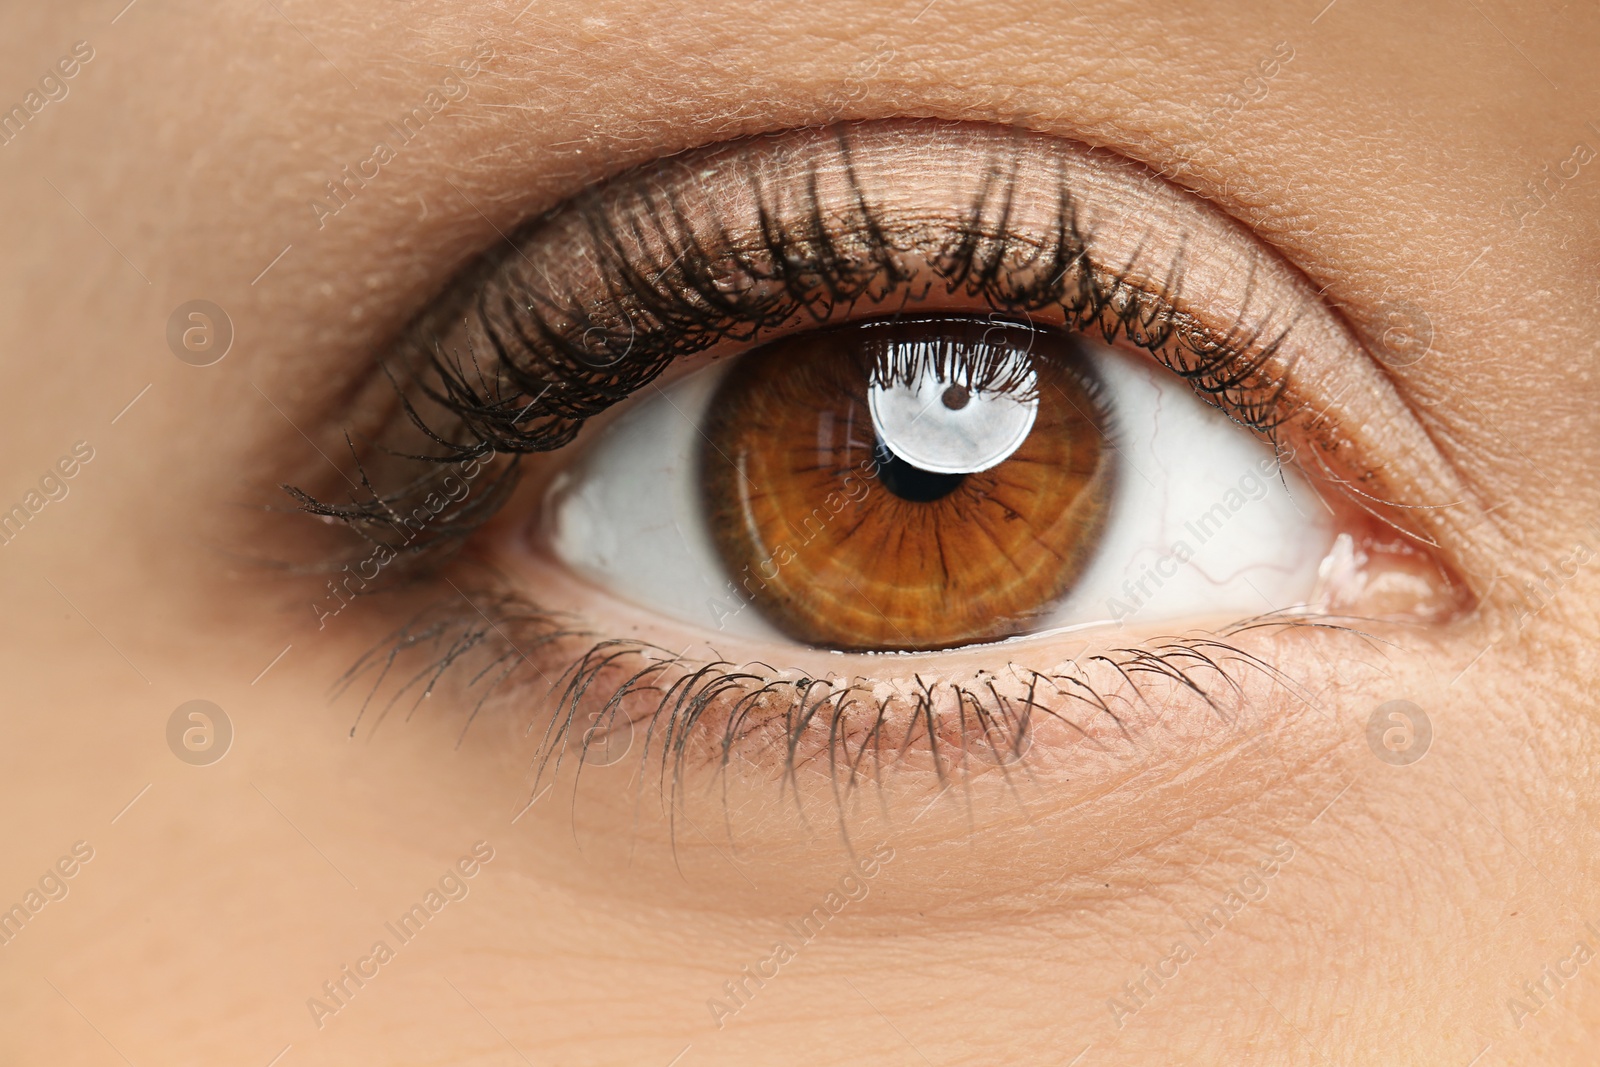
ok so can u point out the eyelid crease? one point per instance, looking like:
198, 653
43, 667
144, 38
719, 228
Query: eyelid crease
748, 241
745, 242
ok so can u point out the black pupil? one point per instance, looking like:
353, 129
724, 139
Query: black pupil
912, 483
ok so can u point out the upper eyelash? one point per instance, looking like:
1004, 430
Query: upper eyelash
539, 383
684, 311
536, 381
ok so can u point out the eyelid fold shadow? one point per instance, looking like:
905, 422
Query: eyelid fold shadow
756, 240
750, 241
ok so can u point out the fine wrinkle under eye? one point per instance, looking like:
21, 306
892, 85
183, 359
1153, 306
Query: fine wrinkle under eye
773, 237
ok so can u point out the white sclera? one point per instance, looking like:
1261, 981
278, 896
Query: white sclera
1205, 522
627, 514
914, 421
1202, 522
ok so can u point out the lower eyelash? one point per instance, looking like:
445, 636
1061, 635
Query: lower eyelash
536, 385
685, 712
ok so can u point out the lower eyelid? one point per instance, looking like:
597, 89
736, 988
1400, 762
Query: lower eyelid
919, 722
1102, 695
1108, 732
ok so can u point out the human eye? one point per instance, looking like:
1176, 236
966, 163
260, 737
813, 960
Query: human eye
913, 484
900, 445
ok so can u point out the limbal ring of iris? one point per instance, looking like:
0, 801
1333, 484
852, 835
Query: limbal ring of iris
907, 485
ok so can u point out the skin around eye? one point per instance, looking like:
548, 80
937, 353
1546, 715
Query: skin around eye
1235, 879
736, 244
922, 559
1254, 880
776, 240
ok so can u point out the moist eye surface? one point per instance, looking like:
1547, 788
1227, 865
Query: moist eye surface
763, 497
906, 486
955, 385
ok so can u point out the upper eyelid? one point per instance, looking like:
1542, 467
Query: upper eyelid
1361, 433
1328, 362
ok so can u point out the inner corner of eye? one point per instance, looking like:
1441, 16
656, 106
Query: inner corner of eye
927, 483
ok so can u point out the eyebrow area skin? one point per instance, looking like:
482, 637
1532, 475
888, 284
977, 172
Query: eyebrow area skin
1423, 168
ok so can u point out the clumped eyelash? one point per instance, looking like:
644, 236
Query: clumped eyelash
546, 365
686, 299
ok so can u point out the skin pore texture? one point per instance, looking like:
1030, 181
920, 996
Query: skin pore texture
1428, 169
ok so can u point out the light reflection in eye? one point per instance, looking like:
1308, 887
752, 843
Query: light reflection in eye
934, 417
766, 503
968, 535
553, 351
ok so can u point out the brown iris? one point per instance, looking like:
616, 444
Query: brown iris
843, 542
